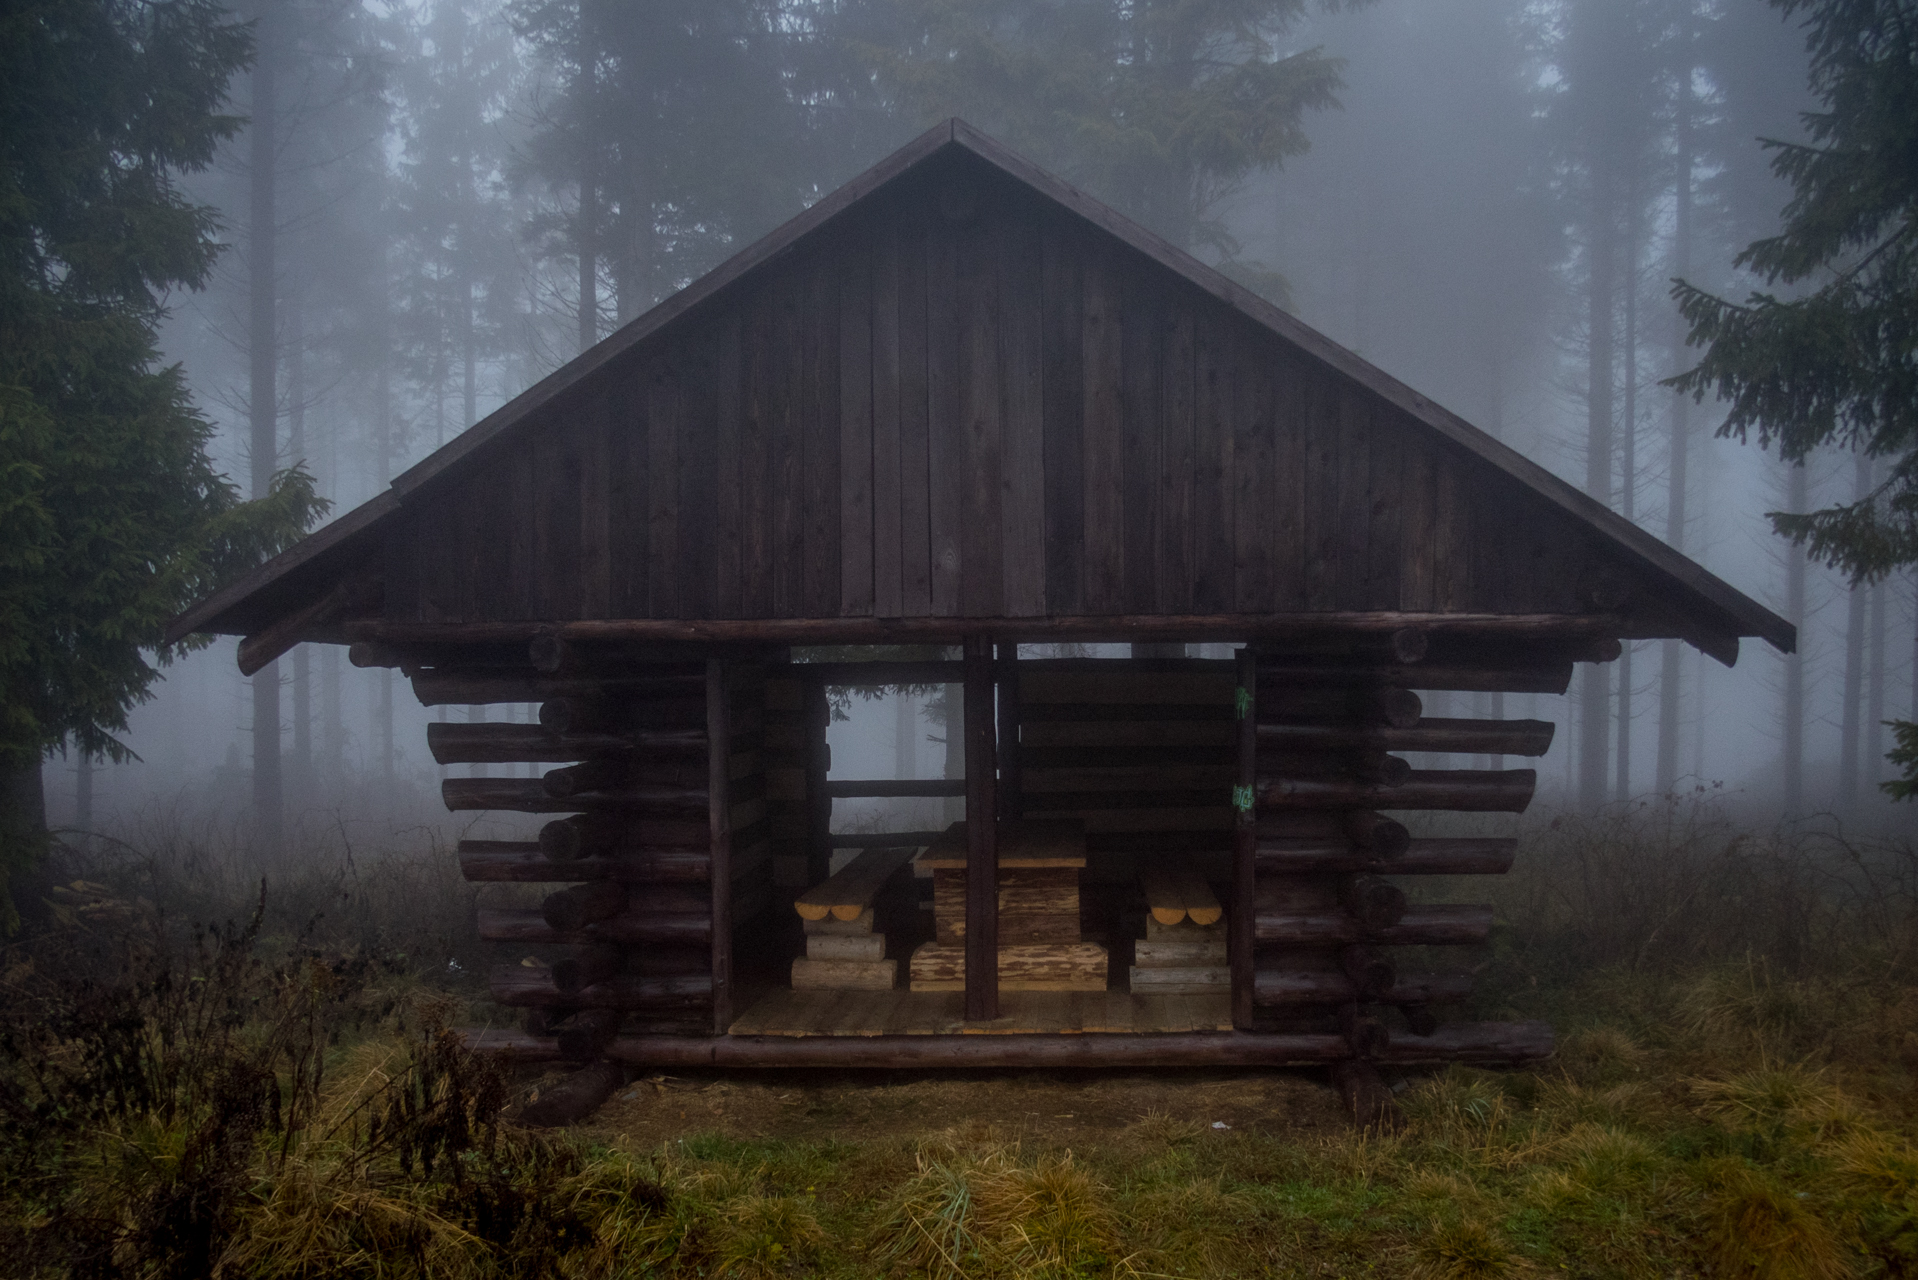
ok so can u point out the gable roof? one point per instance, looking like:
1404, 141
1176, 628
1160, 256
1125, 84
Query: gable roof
308, 568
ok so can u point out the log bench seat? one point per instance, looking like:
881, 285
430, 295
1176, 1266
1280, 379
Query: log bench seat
843, 953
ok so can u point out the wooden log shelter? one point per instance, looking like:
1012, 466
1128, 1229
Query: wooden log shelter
959, 405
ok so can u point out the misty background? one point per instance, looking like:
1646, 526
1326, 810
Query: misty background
439, 203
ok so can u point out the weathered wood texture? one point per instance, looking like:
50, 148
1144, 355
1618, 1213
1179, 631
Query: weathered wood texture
985, 409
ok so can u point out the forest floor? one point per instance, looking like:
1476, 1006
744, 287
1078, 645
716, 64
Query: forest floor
1735, 1095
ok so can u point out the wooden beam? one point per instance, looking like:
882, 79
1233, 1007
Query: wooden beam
1245, 837
853, 788
1552, 678
982, 846
1420, 926
1460, 737
1433, 856
1011, 796
1191, 628
1458, 790
261, 648
524, 862
719, 748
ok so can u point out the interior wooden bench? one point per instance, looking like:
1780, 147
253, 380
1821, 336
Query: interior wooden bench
847, 893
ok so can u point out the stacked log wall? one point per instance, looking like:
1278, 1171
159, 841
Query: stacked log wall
661, 781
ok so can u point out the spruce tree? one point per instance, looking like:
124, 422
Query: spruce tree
112, 516
1836, 362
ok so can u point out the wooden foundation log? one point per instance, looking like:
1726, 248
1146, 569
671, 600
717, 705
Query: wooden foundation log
571, 910
517, 985
1475, 1043
523, 862
1364, 764
1455, 790
1368, 1099
1292, 987
1478, 1043
1421, 1020
525, 924
595, 962
1420, 926
1460, 737
1376, 904
528, 795
604, 835
443, 687
1517, 652
1318, 704
574, 1098
1361, 830
1544, 678
585, 1033
1404, 646
1438, 856
1365, 1034
594, 775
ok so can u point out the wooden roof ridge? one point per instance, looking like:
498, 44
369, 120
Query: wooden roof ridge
1750, 617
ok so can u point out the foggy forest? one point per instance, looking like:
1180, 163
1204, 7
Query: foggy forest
1487, 199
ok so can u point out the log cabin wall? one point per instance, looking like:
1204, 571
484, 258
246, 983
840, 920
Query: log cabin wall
664, 849
962, 401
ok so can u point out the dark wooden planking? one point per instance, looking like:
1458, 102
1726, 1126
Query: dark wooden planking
757, 462
1452, 524
1418, 525
1354, 516
946, 464
1141, 305
982, 852
981, 245
1383, 558
888, 527
1212, 493
728, 508
1022, 431
1255, 496
820, 596
595, 509
697, 565
1177, 461
1289, 436
627, 496
1320, 476
558, 478
664, 407
856, 455
915, 407
1103, 341
1245, 842
1061, 342
787, 372
519, 534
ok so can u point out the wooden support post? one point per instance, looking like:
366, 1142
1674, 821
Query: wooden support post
818, 766
1245, 840
1011, 775
982, 844
719, 750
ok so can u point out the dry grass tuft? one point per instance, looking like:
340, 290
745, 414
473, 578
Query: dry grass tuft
1754, 1226
1160, 1127
1463, 1249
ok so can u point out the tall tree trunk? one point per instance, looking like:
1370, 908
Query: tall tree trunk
1849, 728
83, 794
1792, 741
383, 451
300, 775
1595, 685
1875, 712
1628, 470
1672, 651
332, 725
586, 224
262, 390
905, 728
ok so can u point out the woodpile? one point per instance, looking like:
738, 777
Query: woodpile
1040, 948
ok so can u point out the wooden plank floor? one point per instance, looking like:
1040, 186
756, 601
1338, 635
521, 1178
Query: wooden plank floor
941, 1013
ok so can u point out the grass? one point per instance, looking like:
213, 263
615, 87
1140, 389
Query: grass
1732, 1098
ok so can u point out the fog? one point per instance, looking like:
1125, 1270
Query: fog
1491, 169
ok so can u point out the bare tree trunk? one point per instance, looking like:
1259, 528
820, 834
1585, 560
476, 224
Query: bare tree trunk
1850, 730
262, 392
332, 726
1875, 713
905, 725
1628, 472
586, 223
1792, 741
1672, 651
1595, 684
300, 775
83, 794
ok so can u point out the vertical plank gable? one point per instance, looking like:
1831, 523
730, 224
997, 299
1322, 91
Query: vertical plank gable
697, 563
1103, 340
1062, 333
1214, 401
915, 408
822, 426
728, 509
945, 447
1178, 462
1022, 447
759, 365
788, 379
1255, 500
981, 387
664, 408
1141, 307
888, 530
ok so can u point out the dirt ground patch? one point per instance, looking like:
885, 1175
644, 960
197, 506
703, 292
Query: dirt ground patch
1047, 1109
